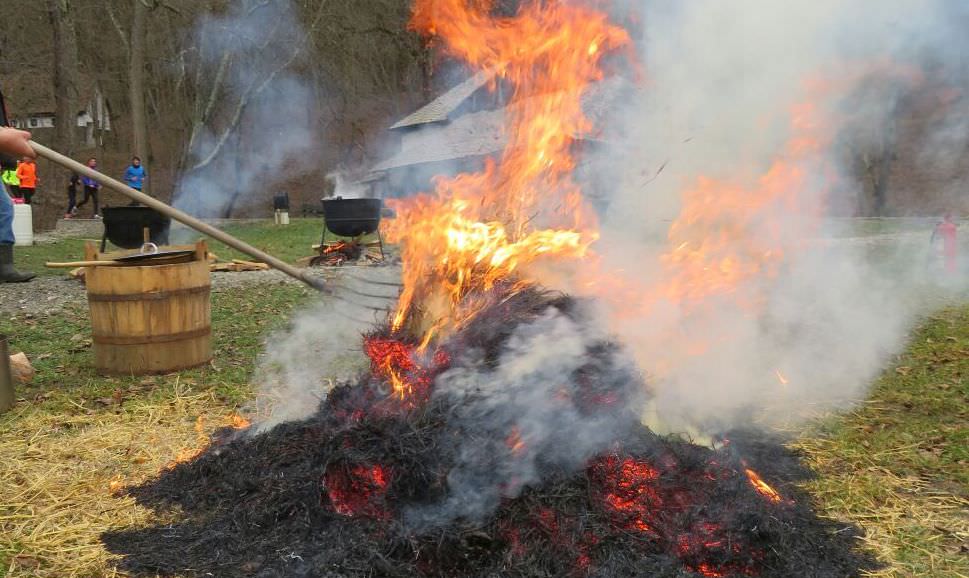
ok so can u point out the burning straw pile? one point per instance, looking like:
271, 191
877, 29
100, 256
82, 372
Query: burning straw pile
497, 431
465, 477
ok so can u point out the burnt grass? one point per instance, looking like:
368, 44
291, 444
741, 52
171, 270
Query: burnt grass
330, 496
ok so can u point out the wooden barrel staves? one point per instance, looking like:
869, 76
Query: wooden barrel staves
150, 319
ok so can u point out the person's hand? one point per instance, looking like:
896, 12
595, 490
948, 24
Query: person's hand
14, 142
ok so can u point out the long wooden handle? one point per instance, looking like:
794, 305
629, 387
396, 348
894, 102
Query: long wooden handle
76, 264
179, 216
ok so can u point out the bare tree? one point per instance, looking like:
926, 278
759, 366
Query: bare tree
136, 83
65, 73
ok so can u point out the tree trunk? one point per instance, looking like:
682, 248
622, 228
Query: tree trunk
136, 72
65, 75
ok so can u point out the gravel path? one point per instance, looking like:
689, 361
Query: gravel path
51, 294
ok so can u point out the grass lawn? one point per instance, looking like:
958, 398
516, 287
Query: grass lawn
288, 243
898, 466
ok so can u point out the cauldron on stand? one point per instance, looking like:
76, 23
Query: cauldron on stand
352, 218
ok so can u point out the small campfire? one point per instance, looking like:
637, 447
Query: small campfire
338, 253
498, 429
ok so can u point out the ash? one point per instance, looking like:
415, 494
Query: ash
509, 450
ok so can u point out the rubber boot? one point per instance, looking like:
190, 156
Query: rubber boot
7, 273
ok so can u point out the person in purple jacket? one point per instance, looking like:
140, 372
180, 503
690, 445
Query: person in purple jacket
91, 188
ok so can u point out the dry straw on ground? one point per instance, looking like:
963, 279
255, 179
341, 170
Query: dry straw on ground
912, 525
61, 470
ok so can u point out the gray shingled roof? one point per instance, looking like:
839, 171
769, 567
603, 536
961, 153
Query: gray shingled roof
482, 133
440, 109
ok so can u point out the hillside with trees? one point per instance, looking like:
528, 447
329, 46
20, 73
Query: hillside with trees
181, 88
257, 96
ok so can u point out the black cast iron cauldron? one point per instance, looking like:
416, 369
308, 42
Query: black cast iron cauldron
352, 217
124, 226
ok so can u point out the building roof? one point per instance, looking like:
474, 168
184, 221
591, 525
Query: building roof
440, 109
483, 133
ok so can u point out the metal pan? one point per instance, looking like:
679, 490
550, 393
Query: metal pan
151, 255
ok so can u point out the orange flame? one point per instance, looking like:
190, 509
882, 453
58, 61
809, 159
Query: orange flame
236, 421
479, 228
730, 235
514, 442
762, 487
233, 420
781, 377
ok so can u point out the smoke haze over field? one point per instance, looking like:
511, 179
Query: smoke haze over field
730, 88
742, 133
720, 279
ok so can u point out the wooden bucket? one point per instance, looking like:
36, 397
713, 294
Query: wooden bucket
150, 319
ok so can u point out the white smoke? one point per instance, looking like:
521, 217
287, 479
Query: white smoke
723, 80
253, 119
344, 186
323, 346
519, 421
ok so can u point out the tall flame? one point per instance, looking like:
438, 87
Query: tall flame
478, 228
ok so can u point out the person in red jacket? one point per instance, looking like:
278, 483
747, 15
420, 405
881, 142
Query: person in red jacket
947, 230
27, 173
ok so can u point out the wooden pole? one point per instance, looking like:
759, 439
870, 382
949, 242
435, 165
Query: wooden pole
7, 396
179, 216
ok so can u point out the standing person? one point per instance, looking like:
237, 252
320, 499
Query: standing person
10, 179
134, 175
12, 142
91, 188
72, 195
947, 229
27, 174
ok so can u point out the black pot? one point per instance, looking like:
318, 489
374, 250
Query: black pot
124, 226
281, 202
352, 217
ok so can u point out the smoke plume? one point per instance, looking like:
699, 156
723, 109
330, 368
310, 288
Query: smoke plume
742, 137
321, 348
721, 271
253, 120
518, 422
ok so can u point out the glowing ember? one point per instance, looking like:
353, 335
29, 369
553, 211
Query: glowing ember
781, 377
408, 372
358, 491
629, 491
116, 484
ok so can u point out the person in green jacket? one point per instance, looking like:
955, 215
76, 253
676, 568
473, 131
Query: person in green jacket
10, 178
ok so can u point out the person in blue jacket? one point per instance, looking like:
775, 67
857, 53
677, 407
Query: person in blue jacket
134, 175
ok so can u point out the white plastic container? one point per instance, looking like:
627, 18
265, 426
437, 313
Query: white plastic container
23, 224
282, 217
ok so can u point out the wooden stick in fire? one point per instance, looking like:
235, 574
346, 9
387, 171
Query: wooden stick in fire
179, 216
